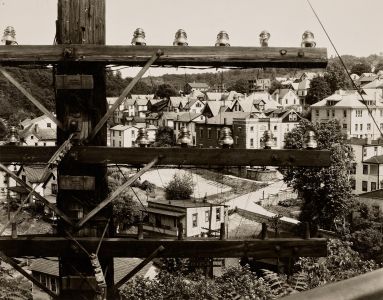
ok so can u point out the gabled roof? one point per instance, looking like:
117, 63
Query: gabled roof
215, 107
213, 96
122, 127
33, 173
304, 84
146, 97
176, 101
141, 102
183, 203
186, 117
48, 134
375, 160
191, 102
169, 115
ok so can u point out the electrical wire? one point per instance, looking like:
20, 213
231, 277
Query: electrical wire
345, 68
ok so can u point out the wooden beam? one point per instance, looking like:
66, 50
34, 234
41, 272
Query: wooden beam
139, 267
30, 277
131, 247
172, 156
116, 193
254, 57
31, 98
37, 195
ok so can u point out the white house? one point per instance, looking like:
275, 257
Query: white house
287, 98
164, 217
123, 136
40, 131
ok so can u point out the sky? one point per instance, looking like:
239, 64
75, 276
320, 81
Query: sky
353, 25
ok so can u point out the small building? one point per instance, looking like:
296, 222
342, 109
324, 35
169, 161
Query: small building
287, 98
123, 136
40, 131
164, 216
261, 84
195, 86
188, 120
373, 199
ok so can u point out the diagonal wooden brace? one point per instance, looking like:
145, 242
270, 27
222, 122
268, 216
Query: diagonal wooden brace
123, 95
116, 193
139, 267
41, 107
37, 195
11, 262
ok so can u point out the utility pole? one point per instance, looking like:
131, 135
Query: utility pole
80, 104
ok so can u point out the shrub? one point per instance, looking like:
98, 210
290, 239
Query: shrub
180, 187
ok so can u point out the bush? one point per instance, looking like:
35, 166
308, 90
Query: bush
290, 202
180, 187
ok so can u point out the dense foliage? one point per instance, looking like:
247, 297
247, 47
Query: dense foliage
326, 192
361, 68
319, 89
180, 187
337, 77
165, 91
164, 137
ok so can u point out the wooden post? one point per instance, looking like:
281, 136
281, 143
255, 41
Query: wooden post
264, 231
140, 231
180, 234
222, 231
79, 110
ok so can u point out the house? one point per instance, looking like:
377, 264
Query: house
164, 216
209, 132
123, 136
195, 86
347, 107
140, 107
287, 98
118, 113
213, 108
373, 199
177, 104
194, 106
261, 84
213, 96
129, 109
248, 131
254, 102
367, 170
46, 270
167, 119
189, 121
366, 78
302, 89
40, 131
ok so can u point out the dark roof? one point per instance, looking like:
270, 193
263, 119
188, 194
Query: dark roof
375, 160
229, 116
198, 85
164, 212
378, 194
365, 142
122, 266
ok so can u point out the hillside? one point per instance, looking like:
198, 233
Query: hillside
39, 82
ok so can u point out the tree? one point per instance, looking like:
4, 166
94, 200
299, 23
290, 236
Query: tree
337, 77
165, 91
180, 187
239, 86
378, 67
275, 85
326, 192
319, 89
164, 137
3, 131
360, 68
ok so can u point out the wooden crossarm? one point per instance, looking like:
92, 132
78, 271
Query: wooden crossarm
124, 93
116, 193
37, 195
131, 247
250, 57
139, 267
29, 96
172, 156
11, 262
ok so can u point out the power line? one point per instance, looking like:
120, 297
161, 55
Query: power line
344, 66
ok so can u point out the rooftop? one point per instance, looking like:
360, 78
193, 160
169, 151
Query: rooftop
378, 194
183, 203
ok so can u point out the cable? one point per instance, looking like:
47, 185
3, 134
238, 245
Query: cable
344, 66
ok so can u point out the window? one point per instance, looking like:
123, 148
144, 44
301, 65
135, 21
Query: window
119, 143
381, 126
373, 186
275, 127
201, 132
353, 168
209, 133
218, 214
344, 126
31, 137
218, 133
361, 126
194, 219
119, 133
43, 279
317, 112
133, 133
251, 128
292, 117
368, 126
113, 143
49, 125
333, 112
344, 113
353, 183
381, 112
295, 101
53, 284
364, 186
24, 178
365, 169
328, 113
251, 143
207, 214
113, 132
198, 104
356, 127
375, 151
36, 144
236, 140
54, 188
287, 101
45, 144
358, 113
364, 152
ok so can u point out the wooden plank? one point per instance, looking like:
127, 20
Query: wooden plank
11, 262
78, 183
131, 247
31, 98
254, 57
74, 82
116, 193
124, 94
172, 156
